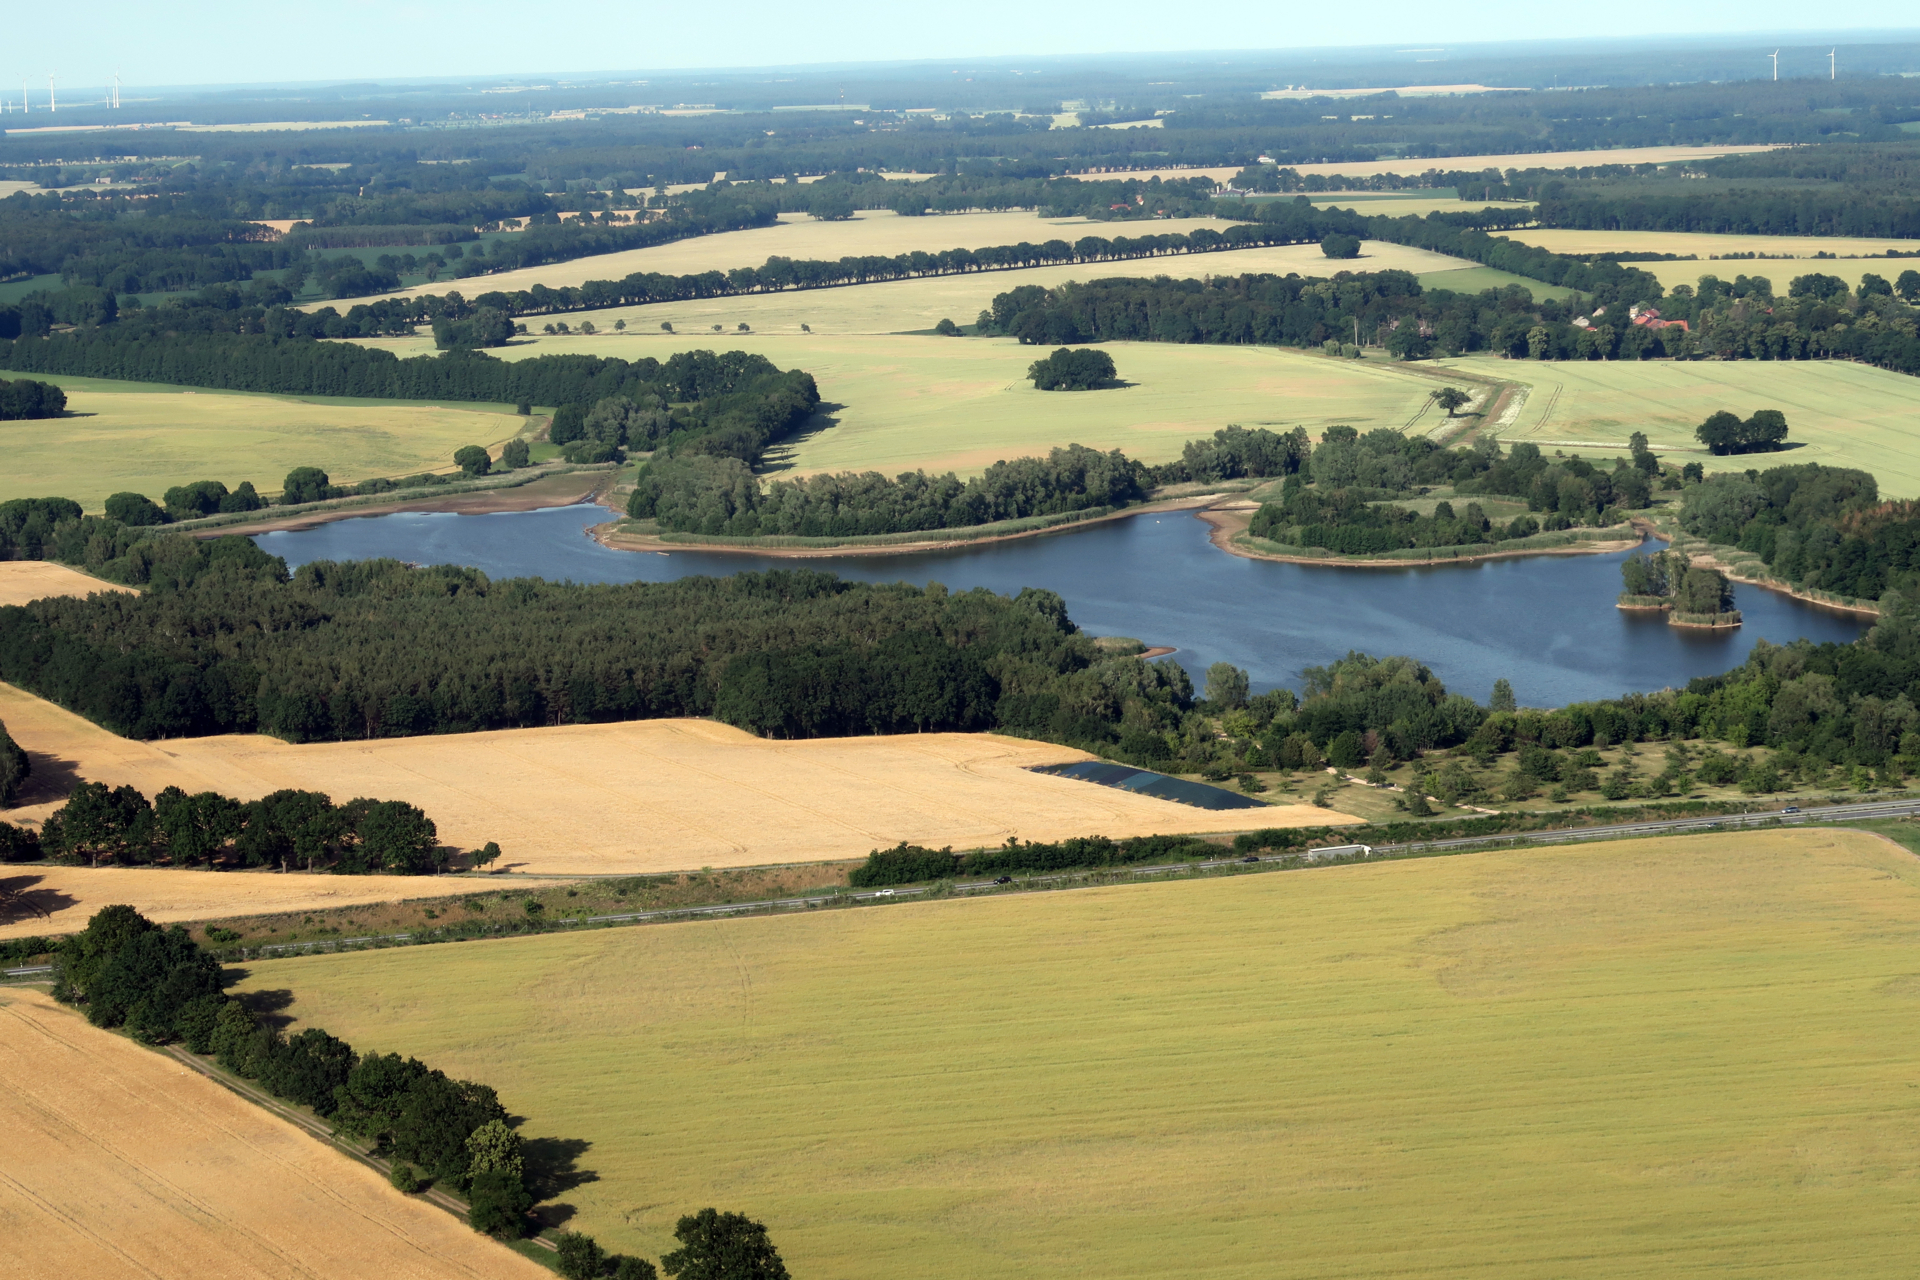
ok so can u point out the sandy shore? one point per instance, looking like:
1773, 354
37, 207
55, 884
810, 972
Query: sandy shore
1228, 523
608, 536
561, 490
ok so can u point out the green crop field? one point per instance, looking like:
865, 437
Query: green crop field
1838, 412
961, 404
146, 438
1479, 279
1691, 1056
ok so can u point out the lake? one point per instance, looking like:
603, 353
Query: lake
1545, 623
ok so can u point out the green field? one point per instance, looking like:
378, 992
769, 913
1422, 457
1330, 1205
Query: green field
1838, 412
1478, 279
964, 403
146, 438
1694, 1056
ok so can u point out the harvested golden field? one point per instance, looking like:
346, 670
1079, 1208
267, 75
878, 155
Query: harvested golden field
147, 438
907, 306
1794, 254
1416, 166
70, 895
871, 231
1692, 1056
906, 401
648, 795
123, 1162
24, 580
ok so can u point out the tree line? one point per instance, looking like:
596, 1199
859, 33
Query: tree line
910, 863
722, 496
289, 829
732, 402
159, 987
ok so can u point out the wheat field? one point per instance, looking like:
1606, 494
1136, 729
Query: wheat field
1851, 264
121, 1162
1682, 1057
24, 580
646, 795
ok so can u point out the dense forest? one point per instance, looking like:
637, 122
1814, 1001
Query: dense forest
332, 653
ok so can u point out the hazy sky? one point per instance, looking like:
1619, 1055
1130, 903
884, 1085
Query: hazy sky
228, 41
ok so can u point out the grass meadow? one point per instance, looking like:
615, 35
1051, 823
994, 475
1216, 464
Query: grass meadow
1690, 1056
147, 438
961, 404
1839, 413
1479, 279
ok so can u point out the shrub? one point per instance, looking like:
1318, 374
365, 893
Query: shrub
1070, 370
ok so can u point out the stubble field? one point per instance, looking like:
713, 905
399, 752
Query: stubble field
869, 232
123, 1163
648, 795
1839, 413
24, 580
1643, 1059
146, 438
909, 306
1850, 266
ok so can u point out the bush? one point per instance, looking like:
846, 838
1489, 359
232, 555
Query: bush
1069, 370
580, 1257
403, 1178
305, 484
497, 1204
514, 455
473, 460
135, 510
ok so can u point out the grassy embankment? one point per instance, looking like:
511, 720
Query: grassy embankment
1654, 1057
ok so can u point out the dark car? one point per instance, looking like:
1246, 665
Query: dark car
1003, 879
1251, 858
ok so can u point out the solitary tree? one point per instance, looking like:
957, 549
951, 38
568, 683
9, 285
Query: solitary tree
1450, 399
723, 1246
1227, 685
1502, 697
473, 460
304, 484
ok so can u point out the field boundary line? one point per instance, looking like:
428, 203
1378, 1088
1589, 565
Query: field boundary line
315, 1127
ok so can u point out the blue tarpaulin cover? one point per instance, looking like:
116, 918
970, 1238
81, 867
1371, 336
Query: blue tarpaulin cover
1149, 783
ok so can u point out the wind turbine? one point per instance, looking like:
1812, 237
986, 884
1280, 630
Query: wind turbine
52, 104
1775, 55
1833, 68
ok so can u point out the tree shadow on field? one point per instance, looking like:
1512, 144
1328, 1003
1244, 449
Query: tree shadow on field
269, 1007
52, 778
553, 1167
20, 899
778, 456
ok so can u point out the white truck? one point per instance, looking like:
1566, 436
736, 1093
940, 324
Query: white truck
1328, 853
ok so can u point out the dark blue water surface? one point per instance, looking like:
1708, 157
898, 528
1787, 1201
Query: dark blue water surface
1546, 623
